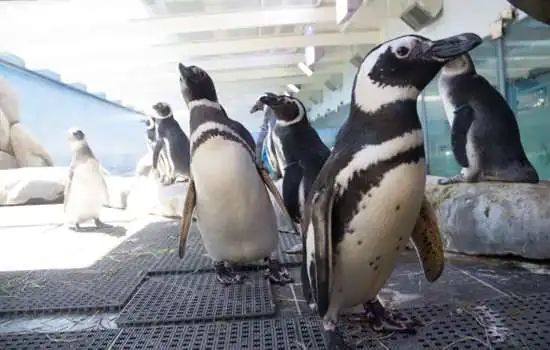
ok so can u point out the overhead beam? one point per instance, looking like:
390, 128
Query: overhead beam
165, 26
137, 66
129, 49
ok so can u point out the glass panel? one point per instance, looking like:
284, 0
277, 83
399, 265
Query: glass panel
441, 158
527, 55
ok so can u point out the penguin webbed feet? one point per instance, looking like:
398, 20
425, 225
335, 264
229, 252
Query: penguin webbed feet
226, 275
333, 337
100, 224
295, 249
451, 180
276, 273
75, 227
382, 320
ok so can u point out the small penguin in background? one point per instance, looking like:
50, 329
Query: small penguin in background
299, 142
368, 199
150, 141
85, 190
485, 135
171, 142
227, 188
265, 138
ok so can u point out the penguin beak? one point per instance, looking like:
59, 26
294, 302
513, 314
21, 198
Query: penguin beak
185, 72
270, 100
257, 107
454, 46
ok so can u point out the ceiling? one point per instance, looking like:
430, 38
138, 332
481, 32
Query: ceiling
129, 49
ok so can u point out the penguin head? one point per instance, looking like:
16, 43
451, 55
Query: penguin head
402, 67
196, 84
287, 109
75, 135
163, 110
259, 105
461, 65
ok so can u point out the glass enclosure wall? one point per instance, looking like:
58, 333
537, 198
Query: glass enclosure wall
518, 65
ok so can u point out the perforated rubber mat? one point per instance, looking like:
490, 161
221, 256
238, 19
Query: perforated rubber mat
176, 298
67, 340
196, 258
69, 290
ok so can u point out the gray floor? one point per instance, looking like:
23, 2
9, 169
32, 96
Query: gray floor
141, 296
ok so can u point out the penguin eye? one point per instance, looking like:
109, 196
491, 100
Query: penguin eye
402, 51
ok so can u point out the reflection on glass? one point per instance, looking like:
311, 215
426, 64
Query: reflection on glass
440, 155
527, 57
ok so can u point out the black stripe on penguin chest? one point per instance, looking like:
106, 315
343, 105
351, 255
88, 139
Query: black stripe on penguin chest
213, 133
346, 206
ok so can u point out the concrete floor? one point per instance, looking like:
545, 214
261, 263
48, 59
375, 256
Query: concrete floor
125, 288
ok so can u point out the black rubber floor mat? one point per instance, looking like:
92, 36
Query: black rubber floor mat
196, 258
70, 290
194, 297
272, 334
61, 341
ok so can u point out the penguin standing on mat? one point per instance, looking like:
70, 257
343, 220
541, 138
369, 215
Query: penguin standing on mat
299, 142
235, 216
368, 199
85, 190
485, 134
171, 142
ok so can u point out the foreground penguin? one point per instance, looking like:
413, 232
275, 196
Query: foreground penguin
171, 142
150, 140
235, 216
484, 131
365, 204
299, 142
85, 190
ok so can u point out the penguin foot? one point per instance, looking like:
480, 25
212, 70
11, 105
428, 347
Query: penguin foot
226, 275
101, 224
382, 320
276, 273
451, 180
76, 227
295, 249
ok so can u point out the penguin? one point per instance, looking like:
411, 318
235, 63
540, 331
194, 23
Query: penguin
301, 143
171, 141
368, 199
264, 140
85, 190
485, 135
150, 141
235, 216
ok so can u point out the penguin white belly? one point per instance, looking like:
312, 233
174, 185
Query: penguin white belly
365, 259
86, 194
235, 217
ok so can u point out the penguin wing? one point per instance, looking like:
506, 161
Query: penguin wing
427, 242
322, 203
464, 116
68, 187
280, 202
186, 216
158, 145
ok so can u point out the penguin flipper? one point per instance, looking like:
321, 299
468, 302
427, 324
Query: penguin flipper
186, 216
156, 152
68, 187
463, 119
322, 203
427, 242
273, 189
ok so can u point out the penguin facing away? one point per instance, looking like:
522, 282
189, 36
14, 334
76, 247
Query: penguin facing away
85, 190
171, 141
150, 141
234, 213
270, 138
365, 203
485, 134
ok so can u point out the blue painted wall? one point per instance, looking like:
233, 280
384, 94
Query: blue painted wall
49, 109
